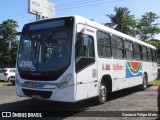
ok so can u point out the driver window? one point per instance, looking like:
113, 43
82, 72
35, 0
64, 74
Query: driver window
84, 46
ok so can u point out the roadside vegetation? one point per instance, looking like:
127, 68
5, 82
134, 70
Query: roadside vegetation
155, 83
3, 83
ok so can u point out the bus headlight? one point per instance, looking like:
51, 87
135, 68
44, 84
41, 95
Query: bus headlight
65, 81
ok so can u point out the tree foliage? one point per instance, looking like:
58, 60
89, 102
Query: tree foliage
145, 28
122, 20
7, 34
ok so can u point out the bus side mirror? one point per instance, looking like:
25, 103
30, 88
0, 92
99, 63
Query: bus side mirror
83, 38
79, 35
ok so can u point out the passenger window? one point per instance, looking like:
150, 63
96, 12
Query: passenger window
137, 52
154, 57
117, 47
149, 54
104, 45
144, 52
128, 46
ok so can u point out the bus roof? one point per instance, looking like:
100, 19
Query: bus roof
99, 26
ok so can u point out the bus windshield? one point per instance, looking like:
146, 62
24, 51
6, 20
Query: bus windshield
45, 47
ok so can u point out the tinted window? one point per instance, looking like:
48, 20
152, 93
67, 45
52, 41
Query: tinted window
154, 56
149, 54
144, 53
85, 54
128, 46
137, 51
103, 41
117, 47
85, 50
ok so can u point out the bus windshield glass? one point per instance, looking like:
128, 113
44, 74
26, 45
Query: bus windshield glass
45, 46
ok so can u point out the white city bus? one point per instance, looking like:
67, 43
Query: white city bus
72, 58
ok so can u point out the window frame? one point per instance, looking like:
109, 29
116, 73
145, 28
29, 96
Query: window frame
119, 48
144, 53
154, 57
149, 51
104, 45
79, 57
139, 51
127, 50
83, 62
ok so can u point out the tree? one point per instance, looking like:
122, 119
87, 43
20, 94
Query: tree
145, 28
7, 34
122, 21
7, 30
156, 43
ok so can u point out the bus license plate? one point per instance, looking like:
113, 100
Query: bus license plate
37, 96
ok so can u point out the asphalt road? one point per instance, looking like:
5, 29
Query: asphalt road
120, 103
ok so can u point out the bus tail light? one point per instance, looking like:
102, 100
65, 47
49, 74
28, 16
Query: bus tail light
65, 81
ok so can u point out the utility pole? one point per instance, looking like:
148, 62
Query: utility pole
38, 17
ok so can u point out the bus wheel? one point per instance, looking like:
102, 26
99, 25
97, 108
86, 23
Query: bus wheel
101, 99
144, 84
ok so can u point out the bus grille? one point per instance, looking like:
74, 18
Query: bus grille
40, 77
44, 94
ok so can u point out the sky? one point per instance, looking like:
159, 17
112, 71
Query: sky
91, 9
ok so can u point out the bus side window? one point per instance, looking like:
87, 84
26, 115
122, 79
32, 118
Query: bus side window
84, 46
144, 52
128, 47
103, 44
149, 54
154, 55
85, 54
137, 52
117, 47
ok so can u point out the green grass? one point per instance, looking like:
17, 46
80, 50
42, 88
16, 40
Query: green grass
155, 83
2, 83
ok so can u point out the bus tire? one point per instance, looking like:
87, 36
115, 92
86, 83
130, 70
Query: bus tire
103, 93
144, 84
